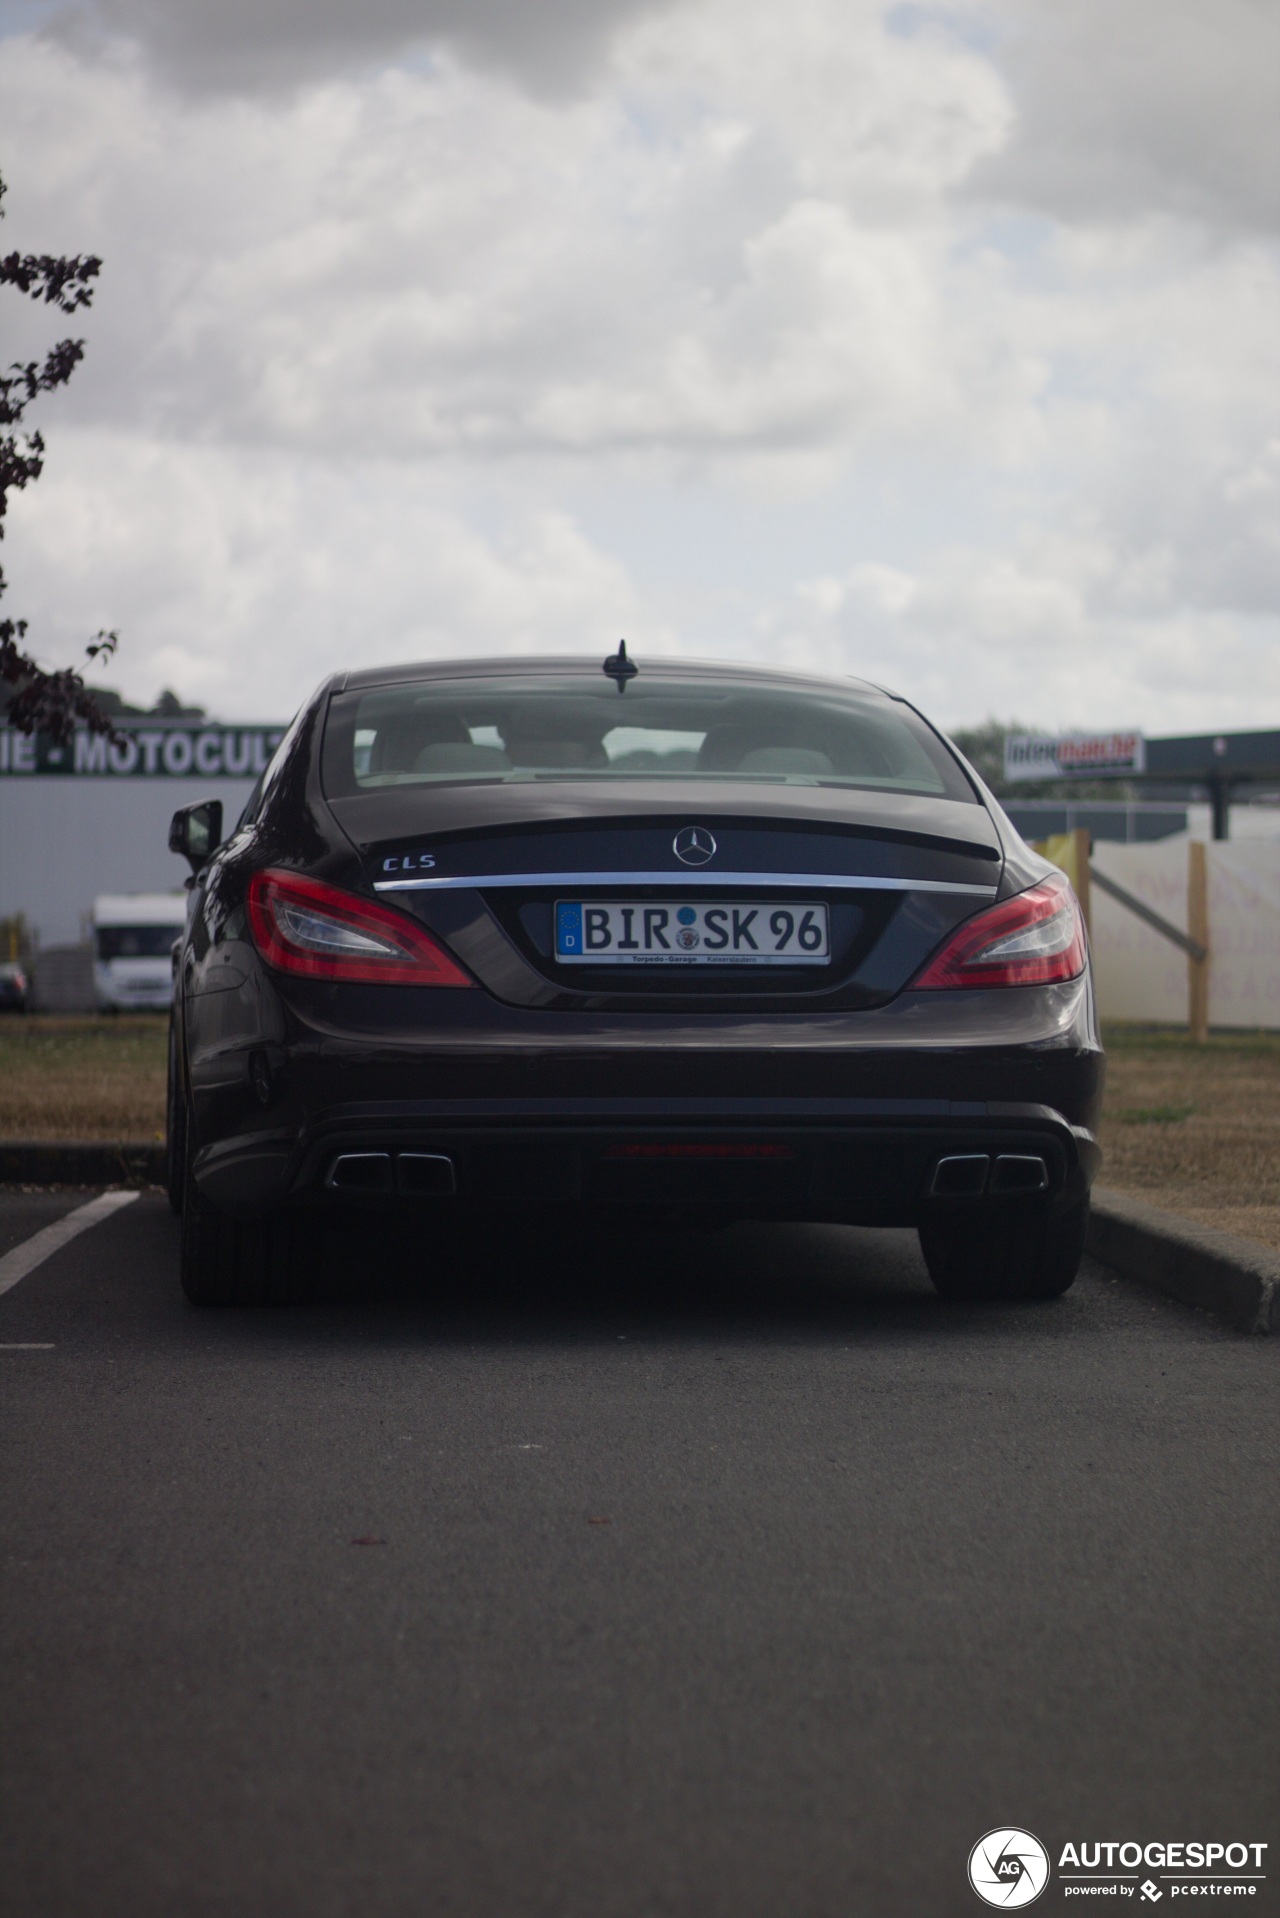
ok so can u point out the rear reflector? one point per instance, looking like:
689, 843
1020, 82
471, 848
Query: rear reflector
316, 931
1034, 939
699, 1152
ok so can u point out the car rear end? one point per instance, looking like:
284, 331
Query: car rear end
727, 944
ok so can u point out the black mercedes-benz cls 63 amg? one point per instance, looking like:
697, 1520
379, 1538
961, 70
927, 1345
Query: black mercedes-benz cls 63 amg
654, 938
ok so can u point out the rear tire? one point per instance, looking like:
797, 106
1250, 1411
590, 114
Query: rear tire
227, 1261
1018, 1256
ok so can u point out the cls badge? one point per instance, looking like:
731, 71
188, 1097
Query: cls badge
693, 845
409, 862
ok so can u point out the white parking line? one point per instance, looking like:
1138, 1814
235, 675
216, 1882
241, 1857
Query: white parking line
42, 1245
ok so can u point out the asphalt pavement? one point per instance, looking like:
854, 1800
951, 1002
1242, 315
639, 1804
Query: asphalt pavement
613, 1575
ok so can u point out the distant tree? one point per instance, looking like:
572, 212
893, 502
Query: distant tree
983, 747
166, 706
38, 700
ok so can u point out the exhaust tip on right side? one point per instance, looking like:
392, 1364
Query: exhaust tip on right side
1019, 1172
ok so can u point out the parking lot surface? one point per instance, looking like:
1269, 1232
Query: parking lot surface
597, 1574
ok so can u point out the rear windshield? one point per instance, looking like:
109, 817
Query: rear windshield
135, 942
453, 732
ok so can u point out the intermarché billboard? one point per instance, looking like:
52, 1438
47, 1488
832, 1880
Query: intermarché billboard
144, 751
1073, 755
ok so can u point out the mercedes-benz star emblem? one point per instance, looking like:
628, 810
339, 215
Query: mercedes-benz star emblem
694, 845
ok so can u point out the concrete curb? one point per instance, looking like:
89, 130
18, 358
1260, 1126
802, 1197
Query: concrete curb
74, 1162
1234, 1277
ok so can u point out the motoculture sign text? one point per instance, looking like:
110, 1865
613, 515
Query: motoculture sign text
144, 752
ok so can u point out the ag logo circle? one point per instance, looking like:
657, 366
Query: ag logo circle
694, 845
1008, 1868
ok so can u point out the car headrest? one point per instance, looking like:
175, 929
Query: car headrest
799, 761
451, 756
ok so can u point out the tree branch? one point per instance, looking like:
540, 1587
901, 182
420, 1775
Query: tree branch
44, 702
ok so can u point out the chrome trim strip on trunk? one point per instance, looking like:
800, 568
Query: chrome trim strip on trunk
797, 881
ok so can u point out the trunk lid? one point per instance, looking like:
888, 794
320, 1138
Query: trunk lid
485, 866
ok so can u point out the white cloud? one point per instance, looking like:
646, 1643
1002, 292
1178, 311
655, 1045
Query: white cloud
436, 263
1046, 632
1153, 105
268, 45
245, 588
954, 326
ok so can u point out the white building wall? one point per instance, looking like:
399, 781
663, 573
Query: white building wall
62, 841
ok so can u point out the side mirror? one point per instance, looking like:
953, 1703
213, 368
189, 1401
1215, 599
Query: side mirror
196, 833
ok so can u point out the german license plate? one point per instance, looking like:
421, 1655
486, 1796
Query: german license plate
691, 933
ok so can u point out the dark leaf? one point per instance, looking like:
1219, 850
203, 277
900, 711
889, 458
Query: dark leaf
58, 282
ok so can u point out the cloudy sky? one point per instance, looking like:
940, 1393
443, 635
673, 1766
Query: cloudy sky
938, 344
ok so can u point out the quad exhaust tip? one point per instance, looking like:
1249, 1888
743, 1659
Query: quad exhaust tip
360, 1172
967, 1175
426, 1175
962, 1176
1019, 1172
417, 1174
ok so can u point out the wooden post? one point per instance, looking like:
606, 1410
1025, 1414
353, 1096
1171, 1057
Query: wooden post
1198, 929
1083, 847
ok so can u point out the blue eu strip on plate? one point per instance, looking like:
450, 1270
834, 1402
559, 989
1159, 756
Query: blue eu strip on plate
568, 927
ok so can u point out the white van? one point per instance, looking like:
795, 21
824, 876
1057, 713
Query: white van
133, 935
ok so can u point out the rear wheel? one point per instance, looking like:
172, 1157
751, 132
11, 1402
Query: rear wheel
228, 1261
1017, 1256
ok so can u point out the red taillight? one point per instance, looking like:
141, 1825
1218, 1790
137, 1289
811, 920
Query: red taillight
305, 927
1035, 939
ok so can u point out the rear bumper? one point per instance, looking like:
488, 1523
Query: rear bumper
842, 1118
852, 1161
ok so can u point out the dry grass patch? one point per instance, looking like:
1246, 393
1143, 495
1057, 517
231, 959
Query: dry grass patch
83, 1078
1196, 1128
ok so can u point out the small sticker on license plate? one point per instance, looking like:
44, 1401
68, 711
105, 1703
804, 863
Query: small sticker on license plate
685, 932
